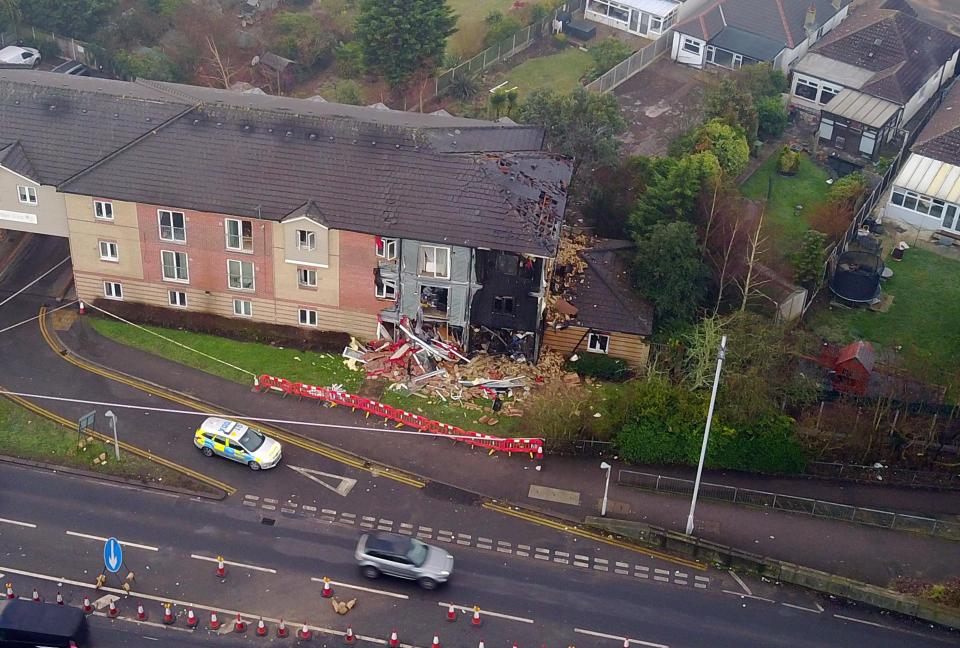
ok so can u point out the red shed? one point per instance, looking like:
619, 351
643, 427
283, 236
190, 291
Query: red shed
853, 367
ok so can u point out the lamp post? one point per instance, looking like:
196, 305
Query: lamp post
706, 432
606, 488
113, 424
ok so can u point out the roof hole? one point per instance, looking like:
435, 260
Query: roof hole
289, 134
313, 137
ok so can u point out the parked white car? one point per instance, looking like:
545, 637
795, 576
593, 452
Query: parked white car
20, 55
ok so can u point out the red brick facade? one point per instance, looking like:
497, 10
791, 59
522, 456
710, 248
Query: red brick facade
358, 258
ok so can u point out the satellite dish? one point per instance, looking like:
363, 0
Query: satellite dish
255, 61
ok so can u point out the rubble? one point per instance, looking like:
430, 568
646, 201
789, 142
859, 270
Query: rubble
568, 272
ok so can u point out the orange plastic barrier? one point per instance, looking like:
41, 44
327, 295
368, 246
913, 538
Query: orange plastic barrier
530, 445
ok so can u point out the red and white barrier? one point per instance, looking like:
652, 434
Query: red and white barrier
530, 445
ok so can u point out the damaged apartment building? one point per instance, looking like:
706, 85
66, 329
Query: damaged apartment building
287, 211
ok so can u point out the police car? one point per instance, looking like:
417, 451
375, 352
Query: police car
238, 442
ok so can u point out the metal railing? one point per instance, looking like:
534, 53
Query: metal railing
885, 475
793, 504
631, 65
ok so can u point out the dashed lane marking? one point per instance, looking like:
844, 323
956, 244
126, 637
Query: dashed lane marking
863, 621
151, 624
233, 564
29, 525
102, 539
749, 596
603, 635
360, 588
464, 608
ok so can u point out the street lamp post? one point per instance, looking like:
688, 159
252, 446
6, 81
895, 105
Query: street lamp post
113, 424
606, 488
706, 432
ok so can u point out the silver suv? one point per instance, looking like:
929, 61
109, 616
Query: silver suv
403, 557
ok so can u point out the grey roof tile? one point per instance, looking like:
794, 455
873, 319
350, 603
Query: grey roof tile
940, 138
14, 158
604, 298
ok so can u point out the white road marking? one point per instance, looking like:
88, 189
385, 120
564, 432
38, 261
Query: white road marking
101, 539
152, 624
361, 589
869, 623
343, 484
805, 609
749, 596
484, 612
235, 564
29, 525
740, 582
603, 635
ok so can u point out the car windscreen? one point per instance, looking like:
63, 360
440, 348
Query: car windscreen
252, 440
418, 552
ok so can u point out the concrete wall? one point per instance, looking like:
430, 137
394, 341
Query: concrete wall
573, 339
286, 284
292, 254
86, 232
48, 216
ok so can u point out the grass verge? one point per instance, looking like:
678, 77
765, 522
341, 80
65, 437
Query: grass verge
923, 319
560, 72
446, 412
27, 435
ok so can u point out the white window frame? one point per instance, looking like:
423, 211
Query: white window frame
828, 88
176, 266
245, 243
103, 210
387, 289
598, 343
424, 260
807, 83
307, 317
113, 290
687, 42
27, 195
243, 308
173, 228
106, 247
253, 275
387, 248
177, 298
303, 277
306, 240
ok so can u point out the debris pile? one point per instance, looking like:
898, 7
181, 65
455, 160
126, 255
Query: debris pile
567, 274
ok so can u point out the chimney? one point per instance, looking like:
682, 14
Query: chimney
811, 19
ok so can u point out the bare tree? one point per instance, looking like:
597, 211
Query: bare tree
223, 71
750, 282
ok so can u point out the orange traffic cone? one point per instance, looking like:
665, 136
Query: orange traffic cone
191, 618
626, 643
10, 594
394, 640
141, 613
451, 613
36, 596
112, 610
87, 606
282, 630
168, 618
349, 638
304, 633
83, 310
261, 628
240, 625
327, 589
476, 621
436, 642
481, 644
59, 598
221, 568
214, 621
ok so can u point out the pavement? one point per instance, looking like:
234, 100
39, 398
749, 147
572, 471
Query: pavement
450, 483
54, 527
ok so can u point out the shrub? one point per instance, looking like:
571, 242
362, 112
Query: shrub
557, 415
600, 366
347, 92
606, 53
809, 259
789, 162
500, 29
560, 41
848, 190
463, 88
145, 64
349, 60
228, 327
771, 118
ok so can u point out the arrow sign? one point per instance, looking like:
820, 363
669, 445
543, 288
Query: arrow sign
344, 484
112, 555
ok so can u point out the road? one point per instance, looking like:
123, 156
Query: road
52, 524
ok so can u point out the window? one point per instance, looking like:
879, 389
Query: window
173, 226
948, 217
240, 274
308, 317
508, 264
28, 195
103, 210
655, 25
691, 45
108, 251
306, 240
387, 289
828, 92
910, 200
307, 278
112, 290
598, 343
434, 301
807, 89
174, 266
434, 262
936, 208
897, 198
386, 248
503, 305
177, 298
239, 235
243, 307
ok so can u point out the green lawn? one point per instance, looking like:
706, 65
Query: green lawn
561, 72
468, 39
924, 317
27, 435
464, 418
807, 188
292, 364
